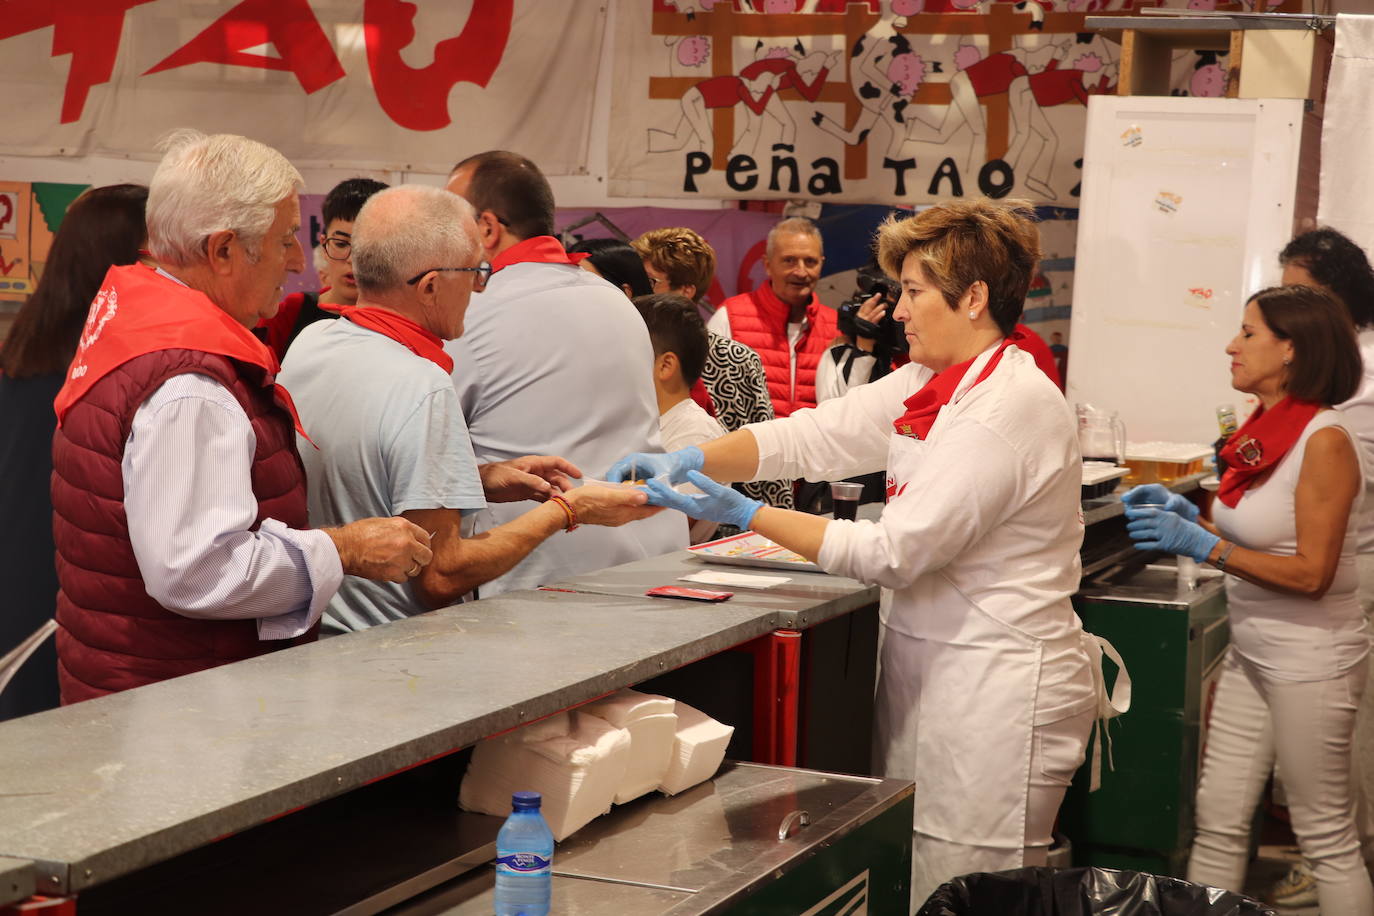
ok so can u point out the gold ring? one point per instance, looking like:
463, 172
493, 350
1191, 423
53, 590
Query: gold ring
413, 571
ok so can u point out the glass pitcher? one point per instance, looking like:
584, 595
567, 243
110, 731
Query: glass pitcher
1101, 435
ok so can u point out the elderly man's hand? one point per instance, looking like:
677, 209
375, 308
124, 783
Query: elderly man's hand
610, 506
534, 477
387, 549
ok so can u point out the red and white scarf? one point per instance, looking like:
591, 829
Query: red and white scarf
1259, 445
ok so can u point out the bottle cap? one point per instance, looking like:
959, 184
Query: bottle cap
526, 801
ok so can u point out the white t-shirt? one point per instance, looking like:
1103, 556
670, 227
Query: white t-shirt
556, 361
686, 423
1291, 637
390, 438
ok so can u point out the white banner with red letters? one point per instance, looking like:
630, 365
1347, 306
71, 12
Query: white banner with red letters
383, 84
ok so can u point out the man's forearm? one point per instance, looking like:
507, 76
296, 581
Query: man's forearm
462, 564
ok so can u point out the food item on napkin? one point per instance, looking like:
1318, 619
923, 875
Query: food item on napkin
575, 760
652, 725
698, 749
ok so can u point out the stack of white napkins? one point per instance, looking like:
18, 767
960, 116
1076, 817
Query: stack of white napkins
652, 725
576, 761
698, 749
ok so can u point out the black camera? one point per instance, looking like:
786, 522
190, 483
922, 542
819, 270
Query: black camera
888, 335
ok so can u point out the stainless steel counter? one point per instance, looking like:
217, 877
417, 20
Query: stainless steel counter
719, 843
107, 787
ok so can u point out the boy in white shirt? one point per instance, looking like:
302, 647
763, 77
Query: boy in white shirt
679, 338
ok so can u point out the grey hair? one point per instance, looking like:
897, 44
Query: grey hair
208, 184
795, 225
407, 229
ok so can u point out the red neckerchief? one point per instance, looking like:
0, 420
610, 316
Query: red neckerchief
924, 406
400, 329
138, 311
1259, 445
542, 249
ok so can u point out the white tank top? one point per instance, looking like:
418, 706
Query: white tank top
1288, 636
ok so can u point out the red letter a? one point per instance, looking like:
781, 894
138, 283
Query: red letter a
288, 25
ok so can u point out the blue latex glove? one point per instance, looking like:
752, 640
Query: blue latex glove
1158, 493
1157, 529
642, 466
715, 503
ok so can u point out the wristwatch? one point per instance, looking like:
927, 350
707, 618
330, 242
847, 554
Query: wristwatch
1220, 561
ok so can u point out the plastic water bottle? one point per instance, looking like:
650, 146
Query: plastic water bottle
524, 860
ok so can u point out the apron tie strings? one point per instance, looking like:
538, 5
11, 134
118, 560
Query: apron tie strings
1109, 705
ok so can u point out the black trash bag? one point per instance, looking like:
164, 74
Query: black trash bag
1083, 892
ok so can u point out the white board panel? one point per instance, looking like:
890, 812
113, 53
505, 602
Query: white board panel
1186, 204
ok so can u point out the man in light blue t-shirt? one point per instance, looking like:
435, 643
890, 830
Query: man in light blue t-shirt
387, 435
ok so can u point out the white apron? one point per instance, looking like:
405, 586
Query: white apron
956, 716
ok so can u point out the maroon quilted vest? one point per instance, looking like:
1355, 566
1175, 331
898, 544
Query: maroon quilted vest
758, 319
112, 635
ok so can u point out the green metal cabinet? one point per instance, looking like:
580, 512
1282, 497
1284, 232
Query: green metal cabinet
1172, 640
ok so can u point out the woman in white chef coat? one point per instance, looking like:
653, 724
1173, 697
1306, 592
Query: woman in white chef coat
987, 694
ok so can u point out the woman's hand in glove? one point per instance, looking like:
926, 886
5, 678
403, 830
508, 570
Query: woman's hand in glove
642, 465
1156, 529
716, 502
1160, 495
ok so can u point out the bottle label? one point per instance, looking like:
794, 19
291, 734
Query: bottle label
525, 863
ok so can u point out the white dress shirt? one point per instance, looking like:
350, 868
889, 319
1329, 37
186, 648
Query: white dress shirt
189, 500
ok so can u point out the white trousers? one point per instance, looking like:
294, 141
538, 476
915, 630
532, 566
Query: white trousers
1307, 727
1057, 751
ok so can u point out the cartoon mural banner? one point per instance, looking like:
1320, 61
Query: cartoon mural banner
347, 83
879, 101
29, 215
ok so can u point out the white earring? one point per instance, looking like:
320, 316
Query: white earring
972, 314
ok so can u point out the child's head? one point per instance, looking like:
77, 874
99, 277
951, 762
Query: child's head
679, 338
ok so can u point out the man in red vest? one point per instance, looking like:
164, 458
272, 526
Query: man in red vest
782, 320
178, 493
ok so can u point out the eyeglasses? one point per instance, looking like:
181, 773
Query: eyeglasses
337, 249
481, 274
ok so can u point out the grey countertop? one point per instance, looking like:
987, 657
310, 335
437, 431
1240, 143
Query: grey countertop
16, 879
105, 787
808, 598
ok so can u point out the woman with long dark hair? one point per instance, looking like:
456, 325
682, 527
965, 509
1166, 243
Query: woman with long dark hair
1284, 528
102, 227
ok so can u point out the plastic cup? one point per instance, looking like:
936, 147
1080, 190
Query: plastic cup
844, 496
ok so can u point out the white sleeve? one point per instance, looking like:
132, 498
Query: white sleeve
838, 438
969, 483
189, 501
719, 323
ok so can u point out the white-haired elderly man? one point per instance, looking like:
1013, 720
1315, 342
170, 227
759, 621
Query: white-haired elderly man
178, 493
375, 394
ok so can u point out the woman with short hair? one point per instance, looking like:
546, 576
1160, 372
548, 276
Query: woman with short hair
987, 694
1284, 529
